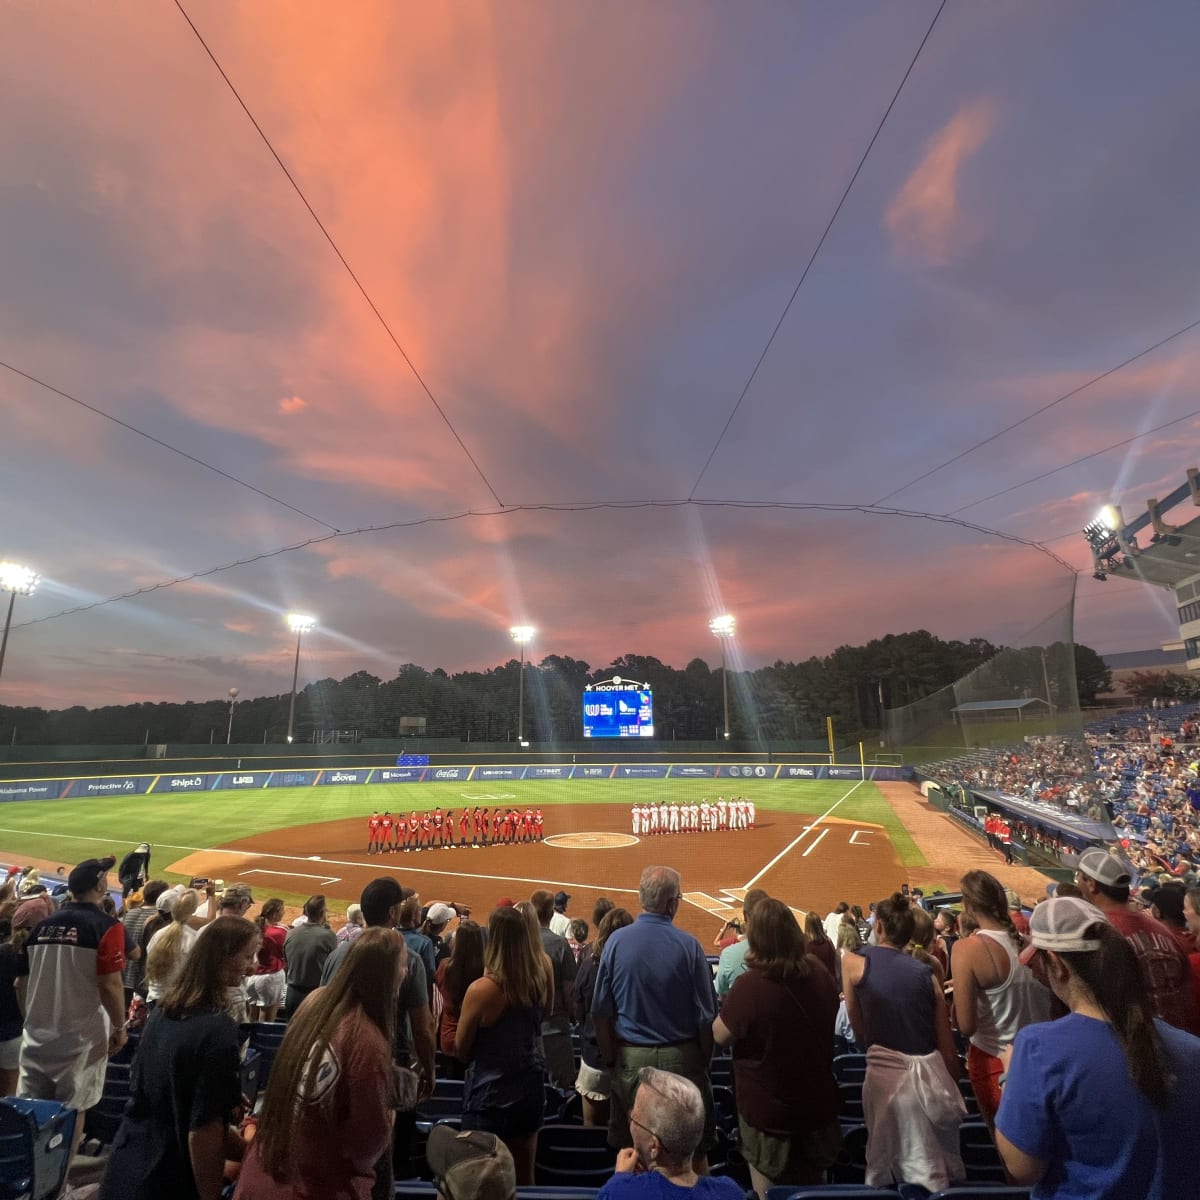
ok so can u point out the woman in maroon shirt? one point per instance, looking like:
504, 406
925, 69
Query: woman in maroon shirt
779, 1018
819, 945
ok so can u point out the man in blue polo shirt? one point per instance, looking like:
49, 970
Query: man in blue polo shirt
654, 1005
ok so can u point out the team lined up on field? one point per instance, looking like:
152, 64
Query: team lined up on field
437, 829
736, 813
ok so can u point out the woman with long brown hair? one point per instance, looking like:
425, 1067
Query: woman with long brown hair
170, 945
176, 1132
327, 1115
454, 975
995, 994
593, 1082
819, 945
499, 1036
779, 1018
1103, 1101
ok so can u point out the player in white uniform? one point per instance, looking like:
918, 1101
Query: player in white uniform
636, 815
654, 818
704, 823
674, 815
750, 813
722, 813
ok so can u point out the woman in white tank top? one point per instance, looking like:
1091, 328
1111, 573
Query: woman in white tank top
995, 994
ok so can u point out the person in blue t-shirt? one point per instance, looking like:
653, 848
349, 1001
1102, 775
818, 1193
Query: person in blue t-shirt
1101, 1104
667, 1123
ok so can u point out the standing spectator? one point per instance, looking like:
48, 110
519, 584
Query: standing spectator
819, 945
654, 1005
603, 905
306, 949
945, 926
995, 994
176, 1132
134, 918
134, 870
354, 924
910, 1099
560, 923
732, 962
433, 927
1167, 905
1101, 1102
594, 1083
418, 944
666, 1124
779, 1018
11, 1020
1105, 880
414, 1039
454, 976
578, 938
170, 944
847, 936
730, 933
69, 985
556, 1024
326, 1117
267, 987
833, 920
499, 1037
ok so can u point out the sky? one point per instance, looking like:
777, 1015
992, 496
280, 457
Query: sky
565, 235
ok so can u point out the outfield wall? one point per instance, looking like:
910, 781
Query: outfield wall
212, 781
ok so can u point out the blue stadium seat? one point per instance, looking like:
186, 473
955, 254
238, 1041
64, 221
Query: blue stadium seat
826, 1191
725, 1109
35, 1148
982, 1193
266, 1037
850, 1068
103, 1121
720, 1071
851, 1164
573, 1156
850, 1110
979, 1153
534, 1192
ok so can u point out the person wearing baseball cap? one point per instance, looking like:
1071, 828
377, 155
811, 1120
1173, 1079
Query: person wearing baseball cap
69, 984
1105, 880
1101, 1102
560, 923
470, 1164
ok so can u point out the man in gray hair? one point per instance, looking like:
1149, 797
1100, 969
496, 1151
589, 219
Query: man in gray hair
666, 1123
654, 1005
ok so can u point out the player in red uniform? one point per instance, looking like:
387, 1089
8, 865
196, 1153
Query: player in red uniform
497, 827
448, 829
385, 833
539, 824
372, 831
426, 829
482, 827
527, 825
412, 832
464, 827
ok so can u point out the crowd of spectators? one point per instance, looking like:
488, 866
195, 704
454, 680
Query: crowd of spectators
1078, 1021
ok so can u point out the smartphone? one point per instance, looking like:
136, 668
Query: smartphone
199, 882
904, 889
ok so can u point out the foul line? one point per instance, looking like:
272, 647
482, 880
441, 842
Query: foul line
803, 834
808, 850
336, 862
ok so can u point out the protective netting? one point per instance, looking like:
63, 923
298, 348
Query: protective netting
1028, 688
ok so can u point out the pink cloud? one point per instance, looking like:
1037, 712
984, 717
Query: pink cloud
292, 404
925, 219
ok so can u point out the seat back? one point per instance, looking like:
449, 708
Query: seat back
979, 1153
104, 1120
35, 1148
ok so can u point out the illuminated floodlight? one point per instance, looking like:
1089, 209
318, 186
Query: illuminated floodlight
18, 579
722, 626
300, 623
521, 634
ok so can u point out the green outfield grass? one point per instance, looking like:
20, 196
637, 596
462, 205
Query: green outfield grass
68, 831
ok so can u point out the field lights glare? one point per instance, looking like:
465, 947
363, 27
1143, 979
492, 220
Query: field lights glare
1109, 518
18, 579
299, 623
722, 626
521, 634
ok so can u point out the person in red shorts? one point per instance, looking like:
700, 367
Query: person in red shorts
464, 827
527, 825
385, 833
511, 820
539, 824
482, 827
448, 829
412, 840
426, 830
373, 832
497, 827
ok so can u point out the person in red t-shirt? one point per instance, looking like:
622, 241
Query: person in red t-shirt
539, 824
482, 827
497, 826
385, 833
412, 839
464, 827
527, 825
437, 826
448, 829
373, 832
426, 829
266, 988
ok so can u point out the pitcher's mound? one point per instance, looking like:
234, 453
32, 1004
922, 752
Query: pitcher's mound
591, 841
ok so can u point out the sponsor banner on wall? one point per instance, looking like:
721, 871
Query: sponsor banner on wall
845, 773
648, 771
291, 778
692, 771
400, 775
447, 774
241, 779
201, 782
34, 789
498, 773
334, 776
747, 771
792, 771
111, 785
594, 772
536, 772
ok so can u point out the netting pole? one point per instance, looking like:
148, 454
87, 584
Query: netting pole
829, 731
862, 760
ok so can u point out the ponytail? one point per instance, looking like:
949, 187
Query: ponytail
1115, 981
270, 914
986, 896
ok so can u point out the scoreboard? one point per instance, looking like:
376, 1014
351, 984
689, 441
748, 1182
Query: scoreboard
612, 711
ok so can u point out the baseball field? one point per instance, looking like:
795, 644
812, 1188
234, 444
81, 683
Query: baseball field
814, 843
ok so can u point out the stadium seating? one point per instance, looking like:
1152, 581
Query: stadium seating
851, 1164
573, 1156
982, 1193
979, 1153
35, 1146
266, 1038
850, 1068
848, 1191
103, 1121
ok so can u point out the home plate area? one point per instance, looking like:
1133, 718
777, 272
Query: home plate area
589, 852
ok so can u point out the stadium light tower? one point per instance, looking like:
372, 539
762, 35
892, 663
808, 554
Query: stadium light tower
233, 695
722, 628
521, 634
299, 624
15, 579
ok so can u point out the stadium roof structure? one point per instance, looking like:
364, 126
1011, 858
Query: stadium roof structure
997, 705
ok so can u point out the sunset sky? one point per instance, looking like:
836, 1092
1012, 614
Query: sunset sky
581, 222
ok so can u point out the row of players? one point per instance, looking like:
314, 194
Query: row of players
736, 813
434, 830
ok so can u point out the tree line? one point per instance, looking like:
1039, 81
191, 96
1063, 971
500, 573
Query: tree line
787, 701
